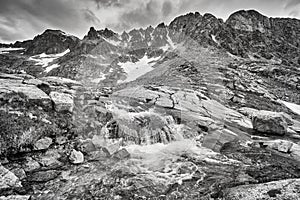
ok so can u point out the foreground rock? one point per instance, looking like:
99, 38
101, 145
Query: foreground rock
276, 190
43, 143
270, 123
8, 179
62, 101
76, 157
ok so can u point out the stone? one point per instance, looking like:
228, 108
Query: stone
62, 101
121, 154
8, 179
270, 123
43, 143
15, 197
76, 157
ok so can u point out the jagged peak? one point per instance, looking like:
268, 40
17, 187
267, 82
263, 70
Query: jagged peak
248, 20
161, 25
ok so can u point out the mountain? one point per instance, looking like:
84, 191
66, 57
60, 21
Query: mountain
198, 109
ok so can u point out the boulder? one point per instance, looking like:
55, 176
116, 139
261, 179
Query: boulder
8, 179
270, 123
76, 157
121, 154
62, 101
43, 143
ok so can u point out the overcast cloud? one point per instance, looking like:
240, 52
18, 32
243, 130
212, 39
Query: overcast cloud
23, 19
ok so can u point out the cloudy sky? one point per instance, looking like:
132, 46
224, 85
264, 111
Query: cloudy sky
23, 19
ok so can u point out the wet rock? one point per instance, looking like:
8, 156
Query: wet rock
270, 123
87, 146
121, 154
76, 157
98, 155
277, 190
15, 197
62, 101
217, 139
8, 179
43, 143
43, 176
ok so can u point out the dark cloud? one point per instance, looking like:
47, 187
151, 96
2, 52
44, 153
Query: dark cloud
292, 3
166, 8
108, 3
142, 16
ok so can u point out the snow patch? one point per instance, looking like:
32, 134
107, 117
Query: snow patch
101, 78
113, 42
48, 69
137, 69
44, 59
172, 44
7, 50
295, 108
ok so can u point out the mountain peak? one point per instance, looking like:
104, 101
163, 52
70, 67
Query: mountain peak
248, 20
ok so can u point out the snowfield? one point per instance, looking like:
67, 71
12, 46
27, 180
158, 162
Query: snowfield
137, 69
45, 59
295, 108
7, 50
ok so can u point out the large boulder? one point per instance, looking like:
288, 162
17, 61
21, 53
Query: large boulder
62, 101
270, 123
31, 93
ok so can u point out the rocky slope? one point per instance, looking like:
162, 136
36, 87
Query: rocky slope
197, 109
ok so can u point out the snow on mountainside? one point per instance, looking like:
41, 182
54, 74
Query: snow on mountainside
197, 109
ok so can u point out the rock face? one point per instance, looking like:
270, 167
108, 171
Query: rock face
270, 123
62, 101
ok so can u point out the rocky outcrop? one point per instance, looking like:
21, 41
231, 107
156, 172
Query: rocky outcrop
270, 123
